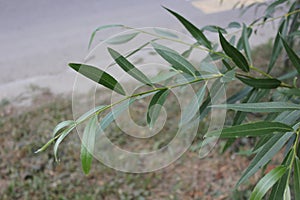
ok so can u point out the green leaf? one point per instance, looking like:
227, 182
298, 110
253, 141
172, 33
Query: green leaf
91, 112
240, 44
213, 29
129, 67
288, 75
226, 64
297, 178
246, 44
121, 39
293, 91
234, 25
64, 134
267, 182
260, 107
117, 110
102, 28
279, 189
263, 83
162, 76
277, 47
228, 76
292, 55
87, 144
98, 76
287, 193
265, 154
236, 56
61, 126
194, 31
155, 106
250, 130
192, 108
165, 33
271, 8
239, 95
177, 61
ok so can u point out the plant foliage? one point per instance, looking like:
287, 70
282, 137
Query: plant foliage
276, 98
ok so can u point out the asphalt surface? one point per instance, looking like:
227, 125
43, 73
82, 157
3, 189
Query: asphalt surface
39, 38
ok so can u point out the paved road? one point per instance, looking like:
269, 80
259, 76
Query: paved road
39, 38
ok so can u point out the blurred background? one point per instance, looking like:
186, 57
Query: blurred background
39, 38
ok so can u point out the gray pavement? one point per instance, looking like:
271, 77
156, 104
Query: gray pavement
39, 37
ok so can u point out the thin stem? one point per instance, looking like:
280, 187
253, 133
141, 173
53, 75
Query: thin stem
150, 91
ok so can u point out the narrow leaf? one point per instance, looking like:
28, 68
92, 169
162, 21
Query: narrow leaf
277, 47
61, 126
165, 33
64, 134
297, 178
234, 25
250, 130
213, 29
102, 28
226, 64
98, 76
279, 189
265, 154
193, 30
267, 182
236, 56
292, 55
246, 44
91, 112
228, 76
260, 107
239, 95
129, 67
263, 83
155, 106
177, 61
121, 39
192, 108
87, 144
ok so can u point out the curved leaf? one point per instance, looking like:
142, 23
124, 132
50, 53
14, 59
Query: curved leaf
260, 107
155, 106
292, 55
236, 56
102, 28
277, 47
194, 31
213, 29
64, 134
265, 154
234, 25
98, 76
192, 108
121, 39
263, 83
91, 112
129, 67
87, 144
279, 189
61, 126
250, 130
177, 61
165, 33
267, 182
246, 44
